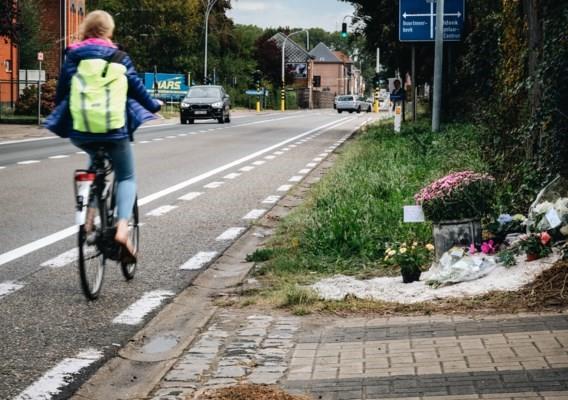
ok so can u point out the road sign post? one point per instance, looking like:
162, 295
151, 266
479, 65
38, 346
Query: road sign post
438, 65
417, 20
39, 59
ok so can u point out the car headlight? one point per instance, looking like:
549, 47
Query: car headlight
185, 105
219, 104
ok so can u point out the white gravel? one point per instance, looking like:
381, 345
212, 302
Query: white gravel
391, 289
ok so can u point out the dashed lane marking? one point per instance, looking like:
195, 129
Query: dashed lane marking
255, 214
260, 162
295, 179
304, 171
158, 212
271, 200
190, 196
198, 260
58, 157
246, 169
62, 259
214, 185
284, 188
53, 381
28, 162
311, 165
233, 175
269, 157
9, 287
144, 142
136, 312
230, 234
278, 153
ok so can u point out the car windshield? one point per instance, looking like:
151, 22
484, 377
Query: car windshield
345, 98
204, 93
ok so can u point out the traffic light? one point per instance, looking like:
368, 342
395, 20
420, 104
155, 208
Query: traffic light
257, 76
344, 30
376, 80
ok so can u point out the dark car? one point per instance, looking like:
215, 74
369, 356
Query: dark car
205, 102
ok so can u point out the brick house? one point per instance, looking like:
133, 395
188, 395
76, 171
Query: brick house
335, 72
9, 65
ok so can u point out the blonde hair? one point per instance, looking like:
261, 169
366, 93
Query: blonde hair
97, 24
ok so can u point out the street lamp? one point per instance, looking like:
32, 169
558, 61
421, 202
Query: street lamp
208, 7
283, 89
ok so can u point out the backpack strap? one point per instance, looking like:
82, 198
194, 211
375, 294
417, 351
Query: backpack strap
117, 57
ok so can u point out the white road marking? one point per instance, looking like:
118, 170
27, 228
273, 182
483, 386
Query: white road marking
182, 134
158, 212
284, 188
269, 157
246, 169
212, 129
304, 171
292, 146
260, 162
198, 260
255, 214
81, 152
271, 200
170, 137
28, 140
136, 312
144, 142
214, 185
2, 167
54, 380
9, 287
295, 179
318, 159
58, 157
324, 154
72, 230
232, 176
63, 259
286, 149
202, 131
297, 144
28, 162
311, 165
190, 196
158, 139
278, 153
230, 234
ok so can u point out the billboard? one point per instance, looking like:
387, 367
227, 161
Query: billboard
165, 86
297, 70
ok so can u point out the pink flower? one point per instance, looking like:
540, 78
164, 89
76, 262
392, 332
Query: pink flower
545, 238
488, 247
472, 249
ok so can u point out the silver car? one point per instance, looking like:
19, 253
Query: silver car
352, 103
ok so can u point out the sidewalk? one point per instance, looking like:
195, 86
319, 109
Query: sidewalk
436, 357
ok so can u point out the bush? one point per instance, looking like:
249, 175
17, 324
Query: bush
27, 103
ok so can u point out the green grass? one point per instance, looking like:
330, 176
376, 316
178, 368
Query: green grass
357, 208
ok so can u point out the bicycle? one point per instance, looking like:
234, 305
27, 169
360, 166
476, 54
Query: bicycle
98, 246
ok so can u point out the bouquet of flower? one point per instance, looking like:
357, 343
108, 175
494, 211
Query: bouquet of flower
460, 195
506, 224
536, 245
409, 258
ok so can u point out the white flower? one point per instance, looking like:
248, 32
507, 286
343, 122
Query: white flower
543, 208
564, 230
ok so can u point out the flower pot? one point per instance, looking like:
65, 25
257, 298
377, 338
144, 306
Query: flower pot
450, 233
532, 256
410, 274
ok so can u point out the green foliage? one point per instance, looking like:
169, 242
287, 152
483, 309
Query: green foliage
10, 20
260, 255
27, 103
507, 258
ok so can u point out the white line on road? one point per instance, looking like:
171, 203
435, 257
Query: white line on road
28, 140
28, 162
190, 196
72, 230
135, 313
311, 165
318, 159
2, 167
9, 287
199, 260
58, 157
62, 259
255, 214
278, 153
158, 212
232, 175
323, 154
214, 185
158, 139
295, 179
292, 146
54, 380
170, 137
269, 157
304, 171
286, 149
271, 200
230, 234
246, 169
144, 142
284, 188
81, 152
260, 162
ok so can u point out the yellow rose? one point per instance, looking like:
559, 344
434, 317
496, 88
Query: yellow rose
402, 250
429, 247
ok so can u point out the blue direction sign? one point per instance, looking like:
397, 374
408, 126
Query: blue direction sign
417, 20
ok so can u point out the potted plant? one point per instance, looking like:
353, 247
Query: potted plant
536, 245
410, 259
455, 204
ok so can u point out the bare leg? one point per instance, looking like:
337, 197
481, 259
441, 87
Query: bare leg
121, 237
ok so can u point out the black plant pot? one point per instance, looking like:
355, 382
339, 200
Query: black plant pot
410, 274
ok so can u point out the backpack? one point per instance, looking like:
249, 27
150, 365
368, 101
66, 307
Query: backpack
98, 95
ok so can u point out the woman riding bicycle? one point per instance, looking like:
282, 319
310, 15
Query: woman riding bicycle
96, 47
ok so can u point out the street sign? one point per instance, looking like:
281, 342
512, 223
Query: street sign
165, 86
417, 20
40, 56
252, 92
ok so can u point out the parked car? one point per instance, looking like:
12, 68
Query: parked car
352, 103
366, 104
205, 102
335, 101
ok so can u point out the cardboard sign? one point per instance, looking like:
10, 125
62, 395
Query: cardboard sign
553, 218
413, 214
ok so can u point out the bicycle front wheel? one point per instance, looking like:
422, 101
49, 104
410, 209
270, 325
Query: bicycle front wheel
128, 270
91, 259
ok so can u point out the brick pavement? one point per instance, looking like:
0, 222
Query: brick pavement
408, 358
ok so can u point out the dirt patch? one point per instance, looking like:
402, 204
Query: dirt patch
249, 392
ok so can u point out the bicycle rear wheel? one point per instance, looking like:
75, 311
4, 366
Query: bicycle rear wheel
128, 270
91, 259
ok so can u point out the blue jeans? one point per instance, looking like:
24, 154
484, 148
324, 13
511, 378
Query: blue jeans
120, 152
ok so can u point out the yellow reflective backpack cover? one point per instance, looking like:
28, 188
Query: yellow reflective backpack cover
98, 95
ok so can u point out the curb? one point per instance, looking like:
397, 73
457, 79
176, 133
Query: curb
136, 371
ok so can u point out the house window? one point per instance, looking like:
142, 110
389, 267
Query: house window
8, 65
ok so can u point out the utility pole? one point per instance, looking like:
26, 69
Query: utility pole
438, 64
208, 7
283, 88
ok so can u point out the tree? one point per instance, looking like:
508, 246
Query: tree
10, 20
31, 42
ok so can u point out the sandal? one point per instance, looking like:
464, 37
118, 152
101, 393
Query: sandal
127, 255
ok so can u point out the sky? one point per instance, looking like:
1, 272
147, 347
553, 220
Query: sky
326, 14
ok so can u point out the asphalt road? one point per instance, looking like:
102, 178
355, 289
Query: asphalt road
52, 338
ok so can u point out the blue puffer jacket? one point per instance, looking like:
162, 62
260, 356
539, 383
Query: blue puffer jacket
139, 108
